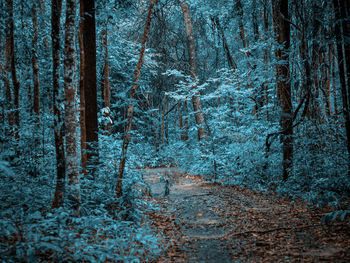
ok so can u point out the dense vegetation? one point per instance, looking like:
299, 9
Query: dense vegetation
250, 93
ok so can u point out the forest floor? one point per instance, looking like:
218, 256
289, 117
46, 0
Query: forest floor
207, 222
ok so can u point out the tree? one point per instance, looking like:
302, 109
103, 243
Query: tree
35, 64
71, 122
11, 58
197, 107
240, 22
130, 112
342, 31
82, 95
88, 87
106, 87
282, 32
56, 6
230, 60
7, 69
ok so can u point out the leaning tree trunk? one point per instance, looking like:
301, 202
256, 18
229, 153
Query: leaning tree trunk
58, 122
130, 113
71, 121
197, 107
282, 31
230, 60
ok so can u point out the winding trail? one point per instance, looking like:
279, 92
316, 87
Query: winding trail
205, 222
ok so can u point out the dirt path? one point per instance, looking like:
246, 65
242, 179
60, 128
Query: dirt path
210, 223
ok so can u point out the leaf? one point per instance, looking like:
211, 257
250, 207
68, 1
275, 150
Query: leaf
50, 246
343, 215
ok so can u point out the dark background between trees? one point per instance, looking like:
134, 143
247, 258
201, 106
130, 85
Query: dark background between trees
253, 93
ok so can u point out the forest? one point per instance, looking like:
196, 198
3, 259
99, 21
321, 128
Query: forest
175, 131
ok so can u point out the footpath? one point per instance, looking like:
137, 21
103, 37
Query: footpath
206, 222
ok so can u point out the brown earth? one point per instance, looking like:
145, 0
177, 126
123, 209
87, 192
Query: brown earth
205, 222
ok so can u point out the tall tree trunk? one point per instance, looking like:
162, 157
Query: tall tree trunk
326, 81
15, 82
7, 70
282, 31
71, 122
181, 126
266, 58
230, 60
35, 64
57, 102
334, 87
240, 22
106, 86
82, 97
163, 107
197, 107
342, 27
345, 14
255, 21
87, 12
130, 113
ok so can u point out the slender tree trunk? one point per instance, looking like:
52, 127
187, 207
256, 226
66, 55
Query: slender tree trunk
57, 102
82, 97
130, 113
106, 86
341, 27
334, 87
345, 14
326, 81
186, 123
230, 60
15, 82
266, 58
88, 32
35, 64
255, 21
240, 22
7, 70
163, 106
197, 107
181, 126
71, 121
282, 31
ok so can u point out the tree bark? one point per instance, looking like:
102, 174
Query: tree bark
341, 31
82, 99
230, 60
35, 64
12, 56
106, 86
255, 21
7, 71
266, 58
57, 101
240, 22
181, 126
88, 87
334, 87
282, 31
197, 107
130, 113
71, 121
